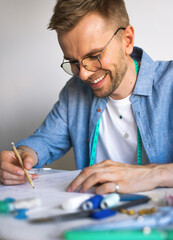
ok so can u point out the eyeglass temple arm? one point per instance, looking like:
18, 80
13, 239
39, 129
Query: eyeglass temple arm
121, 28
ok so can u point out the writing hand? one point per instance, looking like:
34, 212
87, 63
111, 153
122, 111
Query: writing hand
10, 170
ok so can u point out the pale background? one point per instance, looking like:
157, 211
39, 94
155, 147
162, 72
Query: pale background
30, 76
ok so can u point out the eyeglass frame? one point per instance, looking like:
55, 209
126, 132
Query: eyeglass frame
77, 63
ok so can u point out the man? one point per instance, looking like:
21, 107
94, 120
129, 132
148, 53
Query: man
115, 111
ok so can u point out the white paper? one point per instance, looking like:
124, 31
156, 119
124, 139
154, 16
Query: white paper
50, 188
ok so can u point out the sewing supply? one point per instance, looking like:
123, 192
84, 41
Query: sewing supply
96, 135
147, 211
92, 203
168, 200
128, 212
10, 205
103, 214
139, 148
88, 213
75, 203
110, 201
131, 196
21, 214
159, 220
21, 163
114, 234
144, 211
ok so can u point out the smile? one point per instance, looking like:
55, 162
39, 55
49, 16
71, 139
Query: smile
98, 79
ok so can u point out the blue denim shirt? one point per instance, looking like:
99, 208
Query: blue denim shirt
72, 121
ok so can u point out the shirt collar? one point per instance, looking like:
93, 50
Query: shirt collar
146, 72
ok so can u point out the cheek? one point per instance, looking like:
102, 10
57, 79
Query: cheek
108, 62
111, 59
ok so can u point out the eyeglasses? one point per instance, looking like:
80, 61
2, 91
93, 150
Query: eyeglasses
91, 63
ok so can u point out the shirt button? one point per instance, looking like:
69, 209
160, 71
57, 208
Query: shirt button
99, 110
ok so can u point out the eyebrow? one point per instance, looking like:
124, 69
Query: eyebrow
96, 50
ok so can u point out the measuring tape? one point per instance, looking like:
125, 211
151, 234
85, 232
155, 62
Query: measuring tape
96, 135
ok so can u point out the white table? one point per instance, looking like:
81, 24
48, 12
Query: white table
50, 188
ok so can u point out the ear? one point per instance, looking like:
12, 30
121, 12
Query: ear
128, 39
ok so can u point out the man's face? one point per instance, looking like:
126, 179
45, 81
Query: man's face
89, 38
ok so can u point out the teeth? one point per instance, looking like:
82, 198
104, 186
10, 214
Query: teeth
98, 80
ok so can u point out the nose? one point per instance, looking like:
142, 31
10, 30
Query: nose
84, 74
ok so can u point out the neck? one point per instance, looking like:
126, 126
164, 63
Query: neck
128, 83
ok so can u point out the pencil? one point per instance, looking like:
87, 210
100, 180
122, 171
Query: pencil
21, 163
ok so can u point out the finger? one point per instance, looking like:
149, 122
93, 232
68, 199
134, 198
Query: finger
84, 174
16, 181
27, 159
10, 165
34, 176
96, 178
108, 187
12, 182
79, 179
10, 176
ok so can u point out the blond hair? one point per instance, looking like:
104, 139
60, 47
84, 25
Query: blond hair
67, 13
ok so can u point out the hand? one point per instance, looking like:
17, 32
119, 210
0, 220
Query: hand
107, 174
10, 170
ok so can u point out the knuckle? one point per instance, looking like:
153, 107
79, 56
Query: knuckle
2, 164
1, 158
5, 158
86, 171
97, 175
3, 154
4, 181
4, 175
107, 162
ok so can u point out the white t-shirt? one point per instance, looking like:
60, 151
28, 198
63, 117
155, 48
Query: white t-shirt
113, 142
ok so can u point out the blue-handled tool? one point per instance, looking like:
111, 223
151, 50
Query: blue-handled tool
97, 214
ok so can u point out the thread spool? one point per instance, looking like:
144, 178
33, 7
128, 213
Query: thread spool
21, 214
92, 203
10, 205
110, 201
27, 203
75, 202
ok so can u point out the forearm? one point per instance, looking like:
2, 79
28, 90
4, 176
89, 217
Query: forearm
163, 174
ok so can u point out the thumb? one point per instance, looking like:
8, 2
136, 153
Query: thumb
28, 160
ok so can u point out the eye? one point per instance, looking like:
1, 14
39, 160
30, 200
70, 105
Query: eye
94, 56
73, 61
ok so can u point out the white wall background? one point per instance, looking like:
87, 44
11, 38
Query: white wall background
30, 76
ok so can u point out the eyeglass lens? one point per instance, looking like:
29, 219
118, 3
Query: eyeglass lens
90, 63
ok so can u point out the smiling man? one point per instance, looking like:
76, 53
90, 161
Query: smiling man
115, 111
